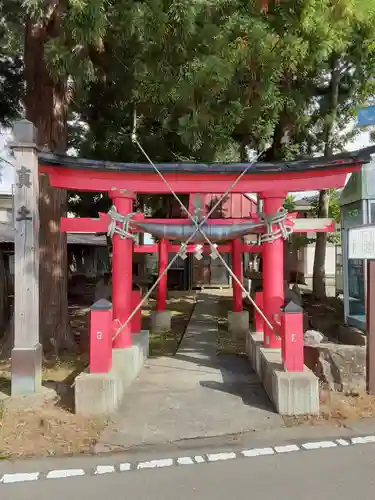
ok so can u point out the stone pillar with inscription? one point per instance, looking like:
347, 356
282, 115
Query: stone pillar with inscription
27, 351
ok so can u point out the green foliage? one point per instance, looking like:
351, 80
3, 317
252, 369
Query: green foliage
289, 203
207, 78
11, 66
333, 212
334, 205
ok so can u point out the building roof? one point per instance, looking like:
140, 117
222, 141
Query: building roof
313, 164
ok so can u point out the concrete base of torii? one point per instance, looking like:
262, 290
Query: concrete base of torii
98, 394
292, 393
238, 322
161, 321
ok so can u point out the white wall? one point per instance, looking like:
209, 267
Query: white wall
330, 264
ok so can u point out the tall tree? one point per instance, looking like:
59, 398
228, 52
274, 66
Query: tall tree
58, 37
346, 84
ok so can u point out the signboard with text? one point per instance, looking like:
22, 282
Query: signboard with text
361, 242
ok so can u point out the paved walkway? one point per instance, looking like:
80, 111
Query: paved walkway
195, 394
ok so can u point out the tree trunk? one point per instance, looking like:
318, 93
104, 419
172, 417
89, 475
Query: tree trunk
281, 138
243, 152
46, 107
319, 276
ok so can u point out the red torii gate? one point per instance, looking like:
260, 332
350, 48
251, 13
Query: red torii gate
271, 181
121, 181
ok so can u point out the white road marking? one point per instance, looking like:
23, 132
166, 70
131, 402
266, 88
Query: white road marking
105, 469
168, 462
20, 477
63, 473
257, 452
363, 440
287, 448
319, 444
215, 457
343, 442
185, 461
125, 467
155, 464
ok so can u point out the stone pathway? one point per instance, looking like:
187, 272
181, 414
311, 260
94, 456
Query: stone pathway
195, 394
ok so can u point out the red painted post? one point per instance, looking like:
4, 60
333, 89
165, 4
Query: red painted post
238, 272
292, 338
258, 320
273, 273
101, 337
122, 270
137, 318
161, 303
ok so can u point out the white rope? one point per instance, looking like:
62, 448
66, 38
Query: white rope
123, 229
278, 219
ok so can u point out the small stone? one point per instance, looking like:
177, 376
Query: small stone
313, 338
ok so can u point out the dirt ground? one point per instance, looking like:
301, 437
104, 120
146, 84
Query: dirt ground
47, 426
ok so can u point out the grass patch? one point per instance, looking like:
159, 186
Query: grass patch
163, 344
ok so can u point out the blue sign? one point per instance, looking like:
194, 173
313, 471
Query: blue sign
366, 116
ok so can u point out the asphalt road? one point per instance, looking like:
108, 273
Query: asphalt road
343, 473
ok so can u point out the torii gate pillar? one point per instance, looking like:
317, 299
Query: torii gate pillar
122, 271
161, 318
273, 271
238, 319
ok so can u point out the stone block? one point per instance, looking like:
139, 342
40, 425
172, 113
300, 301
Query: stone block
161, 321
291, 393
102, 393
295, 393
238, 322
341, 367
254, 342
24, 132
26, 370
97, 393
142, 339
